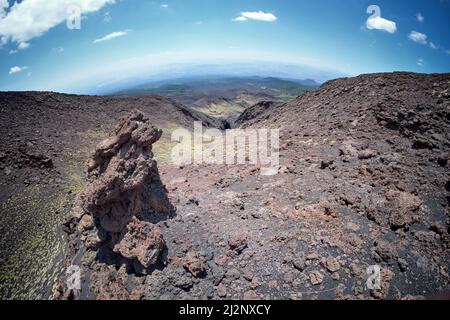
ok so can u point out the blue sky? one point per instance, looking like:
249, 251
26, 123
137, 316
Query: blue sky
134, 38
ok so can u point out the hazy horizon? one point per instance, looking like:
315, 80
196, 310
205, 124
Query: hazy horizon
76, 46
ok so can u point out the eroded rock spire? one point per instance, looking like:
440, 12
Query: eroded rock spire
124, 197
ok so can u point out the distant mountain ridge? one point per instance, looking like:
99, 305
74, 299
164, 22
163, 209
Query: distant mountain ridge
224, 97
218, 84
111, 83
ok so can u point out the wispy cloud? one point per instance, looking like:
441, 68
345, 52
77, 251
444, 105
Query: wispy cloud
164, 6
379, 23
420, 62
107, 17
420, 17
58, 50
111, 36
433, 46
23, 45
418, 37
256, 15
28, 19
17, 69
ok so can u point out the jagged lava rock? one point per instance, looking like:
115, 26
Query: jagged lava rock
142, 241
124, 179
116, 214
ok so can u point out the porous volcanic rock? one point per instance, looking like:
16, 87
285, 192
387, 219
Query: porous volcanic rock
123, 178
116, 215
142, 241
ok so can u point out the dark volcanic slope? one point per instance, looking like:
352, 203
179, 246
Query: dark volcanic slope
363, 181
397, 125
45, 139
380, 138
377, 146
253, 113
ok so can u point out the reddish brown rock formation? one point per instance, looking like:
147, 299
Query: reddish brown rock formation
117, 212
123, 177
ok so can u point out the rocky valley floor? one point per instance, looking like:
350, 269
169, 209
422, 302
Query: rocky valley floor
363, 180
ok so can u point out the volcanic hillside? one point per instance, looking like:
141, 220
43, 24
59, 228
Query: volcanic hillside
363, 181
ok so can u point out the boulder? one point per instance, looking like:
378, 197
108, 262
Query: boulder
142, 241
195, 264
402, 206
237, 243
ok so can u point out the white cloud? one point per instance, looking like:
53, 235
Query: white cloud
379, 23
256, 15
433, 46
111, 36
164, 6
29, 19
420, 62
240, 18
418, 37
17, 69
447, 51
23, 45
420, 17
